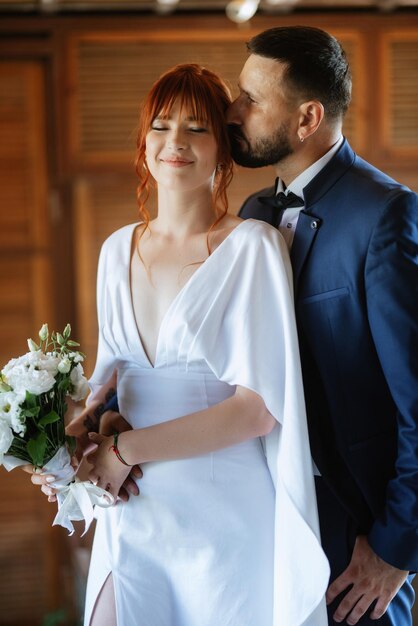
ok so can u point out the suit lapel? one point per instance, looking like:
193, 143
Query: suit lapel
306, 231
313, 216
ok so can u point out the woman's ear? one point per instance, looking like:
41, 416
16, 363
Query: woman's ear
310, 118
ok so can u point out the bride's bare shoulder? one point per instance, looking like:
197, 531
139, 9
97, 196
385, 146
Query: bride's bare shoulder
230, 221
224, 228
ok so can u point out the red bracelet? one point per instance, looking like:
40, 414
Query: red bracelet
116, 450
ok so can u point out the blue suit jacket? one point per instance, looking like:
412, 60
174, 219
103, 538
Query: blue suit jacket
355, 264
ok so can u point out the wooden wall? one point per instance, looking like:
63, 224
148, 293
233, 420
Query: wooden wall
70, 88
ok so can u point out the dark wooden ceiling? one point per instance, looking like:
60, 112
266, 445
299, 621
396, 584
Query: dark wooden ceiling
266, 6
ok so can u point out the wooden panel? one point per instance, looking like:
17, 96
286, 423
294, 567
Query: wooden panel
24, 236
112, 74
27, 299
101, 207
111, 77
23, 550
400, 93
21, 180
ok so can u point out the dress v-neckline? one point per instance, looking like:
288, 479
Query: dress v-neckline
179, 295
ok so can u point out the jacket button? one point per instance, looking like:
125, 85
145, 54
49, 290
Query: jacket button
314, 225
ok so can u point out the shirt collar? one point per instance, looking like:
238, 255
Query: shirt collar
300, 182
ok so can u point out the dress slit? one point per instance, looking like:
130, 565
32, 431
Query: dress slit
104, 611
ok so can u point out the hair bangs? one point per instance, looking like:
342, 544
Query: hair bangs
205, 97
191, 92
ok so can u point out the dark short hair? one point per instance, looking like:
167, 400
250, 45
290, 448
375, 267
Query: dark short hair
317, 67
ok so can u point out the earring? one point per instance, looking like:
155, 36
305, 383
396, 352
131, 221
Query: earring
301, 138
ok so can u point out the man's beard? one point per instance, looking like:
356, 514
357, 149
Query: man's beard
268, 151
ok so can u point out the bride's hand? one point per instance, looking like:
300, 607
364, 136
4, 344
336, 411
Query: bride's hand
44, 480
108, 472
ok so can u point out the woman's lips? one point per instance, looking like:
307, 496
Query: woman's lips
176, 162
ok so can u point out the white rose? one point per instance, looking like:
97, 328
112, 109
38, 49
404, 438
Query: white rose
79, 382
34, 372
11, 411
22, 378
6, 438
64, 365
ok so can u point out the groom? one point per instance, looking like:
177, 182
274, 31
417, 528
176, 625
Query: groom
353, 236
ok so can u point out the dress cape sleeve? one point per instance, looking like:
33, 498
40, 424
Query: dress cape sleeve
253, 343
106, 361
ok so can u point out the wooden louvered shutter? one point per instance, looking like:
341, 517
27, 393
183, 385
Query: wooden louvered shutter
399, 95
25, 303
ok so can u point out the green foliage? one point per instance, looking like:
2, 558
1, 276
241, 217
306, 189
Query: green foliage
50, 418
36, 448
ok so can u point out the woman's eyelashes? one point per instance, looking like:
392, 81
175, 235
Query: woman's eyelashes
191, 129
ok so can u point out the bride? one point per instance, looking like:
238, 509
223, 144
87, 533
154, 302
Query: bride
196, 317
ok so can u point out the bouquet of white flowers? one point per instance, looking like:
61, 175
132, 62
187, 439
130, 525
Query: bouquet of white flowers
33, 389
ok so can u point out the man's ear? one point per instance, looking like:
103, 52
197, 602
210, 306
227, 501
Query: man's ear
310, 118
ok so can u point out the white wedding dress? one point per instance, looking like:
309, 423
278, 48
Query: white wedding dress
229, 538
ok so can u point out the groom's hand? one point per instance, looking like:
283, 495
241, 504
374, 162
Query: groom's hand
370, 580
93, 419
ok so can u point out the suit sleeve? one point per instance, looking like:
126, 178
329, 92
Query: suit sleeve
391, 275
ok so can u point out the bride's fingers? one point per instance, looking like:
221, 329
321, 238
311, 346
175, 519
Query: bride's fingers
48, 491
42, 479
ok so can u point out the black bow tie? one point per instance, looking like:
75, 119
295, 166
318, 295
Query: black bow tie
281, 201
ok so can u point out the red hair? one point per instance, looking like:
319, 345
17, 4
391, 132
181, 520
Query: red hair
206, 98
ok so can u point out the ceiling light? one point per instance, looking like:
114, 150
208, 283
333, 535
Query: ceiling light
241, 10
166, 6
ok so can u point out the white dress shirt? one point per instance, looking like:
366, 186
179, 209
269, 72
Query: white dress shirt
290, 217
